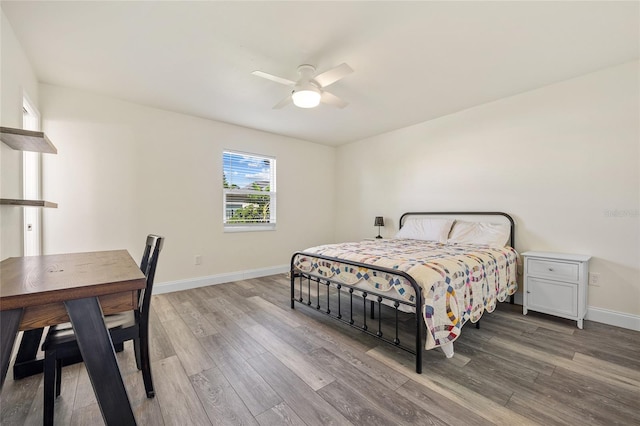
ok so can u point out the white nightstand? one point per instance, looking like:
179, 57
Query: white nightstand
556, 284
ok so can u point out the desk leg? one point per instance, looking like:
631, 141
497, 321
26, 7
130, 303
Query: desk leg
9, 323
99, 357
26, 363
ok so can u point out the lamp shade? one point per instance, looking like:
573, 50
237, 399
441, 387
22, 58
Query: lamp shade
306, 97
379, 221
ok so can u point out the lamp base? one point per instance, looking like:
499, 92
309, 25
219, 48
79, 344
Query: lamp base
379, 225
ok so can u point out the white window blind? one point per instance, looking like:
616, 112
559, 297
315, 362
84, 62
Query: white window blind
249, 191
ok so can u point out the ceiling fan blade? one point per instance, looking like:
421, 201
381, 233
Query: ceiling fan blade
333, 75
283, 103
275, 78
331, 99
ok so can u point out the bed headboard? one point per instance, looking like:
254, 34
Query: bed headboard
493, 217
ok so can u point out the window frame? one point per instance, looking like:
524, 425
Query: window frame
31, 183
249, 227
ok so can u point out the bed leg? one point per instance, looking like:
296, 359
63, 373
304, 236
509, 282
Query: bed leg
419, 325
293, 282
447, 348
478, 325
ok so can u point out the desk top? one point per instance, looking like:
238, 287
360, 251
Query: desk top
38, 280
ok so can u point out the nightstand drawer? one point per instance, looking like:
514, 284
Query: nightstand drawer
563, 271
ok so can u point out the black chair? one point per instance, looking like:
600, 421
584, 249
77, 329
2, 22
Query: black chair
61, 344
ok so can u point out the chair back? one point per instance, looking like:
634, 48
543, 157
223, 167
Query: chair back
148, 267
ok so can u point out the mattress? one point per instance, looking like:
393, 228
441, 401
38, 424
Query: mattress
459, 282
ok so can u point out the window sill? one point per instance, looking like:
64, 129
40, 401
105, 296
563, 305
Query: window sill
250, 228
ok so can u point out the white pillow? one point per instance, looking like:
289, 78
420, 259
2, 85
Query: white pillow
493, 234
426, 229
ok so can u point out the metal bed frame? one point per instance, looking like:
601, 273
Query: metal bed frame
306, 280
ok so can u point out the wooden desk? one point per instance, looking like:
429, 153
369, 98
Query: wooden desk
36, 291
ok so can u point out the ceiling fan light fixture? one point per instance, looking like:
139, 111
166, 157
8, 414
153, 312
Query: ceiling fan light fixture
306, 98
309, 91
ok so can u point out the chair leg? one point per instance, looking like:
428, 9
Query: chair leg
137, 351
49, 390
146, 367
58, 376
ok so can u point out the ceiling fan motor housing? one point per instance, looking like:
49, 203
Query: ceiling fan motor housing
306, 71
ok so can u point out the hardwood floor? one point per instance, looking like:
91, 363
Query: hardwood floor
236, 354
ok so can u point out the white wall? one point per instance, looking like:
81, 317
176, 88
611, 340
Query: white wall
559, 159
16, 79
564, 160
125, 170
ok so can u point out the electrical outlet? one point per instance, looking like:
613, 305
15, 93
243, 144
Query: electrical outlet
594, 279
197, 260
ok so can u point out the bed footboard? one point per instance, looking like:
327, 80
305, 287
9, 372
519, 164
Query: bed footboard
341, 302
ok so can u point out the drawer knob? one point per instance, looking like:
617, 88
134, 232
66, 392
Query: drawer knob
550, 269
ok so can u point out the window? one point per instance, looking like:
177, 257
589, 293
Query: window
249, 191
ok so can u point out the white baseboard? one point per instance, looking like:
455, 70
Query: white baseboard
604, 316
168, 287
619, 319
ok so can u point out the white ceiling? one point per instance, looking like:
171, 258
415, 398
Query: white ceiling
413, 61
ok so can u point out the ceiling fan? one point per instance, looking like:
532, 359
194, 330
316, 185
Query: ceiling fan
309, 91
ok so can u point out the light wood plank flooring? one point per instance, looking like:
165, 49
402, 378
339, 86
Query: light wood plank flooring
236, 354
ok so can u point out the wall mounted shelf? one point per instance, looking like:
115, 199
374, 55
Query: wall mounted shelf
28, 203
26, 140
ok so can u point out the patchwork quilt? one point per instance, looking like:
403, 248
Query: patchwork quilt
459, 282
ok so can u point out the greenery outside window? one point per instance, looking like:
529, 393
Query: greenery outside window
249, 191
